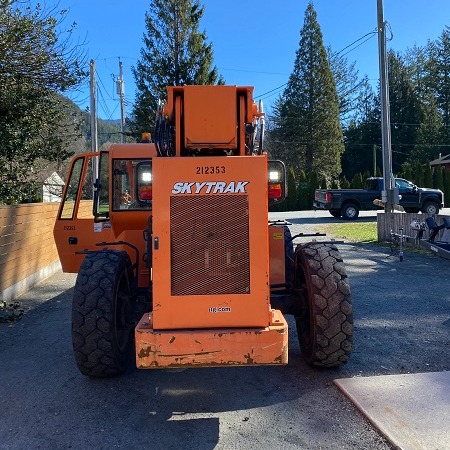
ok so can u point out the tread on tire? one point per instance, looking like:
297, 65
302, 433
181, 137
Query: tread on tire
325, 325
101, 332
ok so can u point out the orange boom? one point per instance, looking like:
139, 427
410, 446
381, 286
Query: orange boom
174, 250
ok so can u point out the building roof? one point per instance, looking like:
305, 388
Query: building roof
442, 160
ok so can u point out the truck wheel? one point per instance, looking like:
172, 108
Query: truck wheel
430, 208
350, 211
101, 310
325, 322
335, 212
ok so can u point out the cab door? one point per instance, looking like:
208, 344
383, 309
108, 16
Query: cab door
409, 194
76, 229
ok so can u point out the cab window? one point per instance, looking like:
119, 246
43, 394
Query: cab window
404, 186
71, 193
132, 184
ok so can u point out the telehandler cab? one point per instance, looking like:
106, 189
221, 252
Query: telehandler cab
175, 253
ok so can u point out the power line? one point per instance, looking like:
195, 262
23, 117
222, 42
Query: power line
252, 71
370, 37
367, 35
268, 92
371, 33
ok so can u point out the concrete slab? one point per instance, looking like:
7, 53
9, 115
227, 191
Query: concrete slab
412, 411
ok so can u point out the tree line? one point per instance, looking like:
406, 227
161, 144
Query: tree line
325, 125
301, 187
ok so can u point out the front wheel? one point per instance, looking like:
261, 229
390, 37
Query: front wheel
430, 208
101, 312
325, 319
350, 211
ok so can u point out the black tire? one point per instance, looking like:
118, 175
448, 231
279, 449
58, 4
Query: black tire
101, 311
335, 212
325, 323
350, 211
430, 207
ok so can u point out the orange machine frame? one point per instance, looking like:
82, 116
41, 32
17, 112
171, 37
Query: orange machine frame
195, 319
247, 174
211, 300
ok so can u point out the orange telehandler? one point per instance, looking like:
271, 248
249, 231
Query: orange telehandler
175, 253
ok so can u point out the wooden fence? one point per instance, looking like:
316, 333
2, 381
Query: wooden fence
28, 252
27, 249
387, 222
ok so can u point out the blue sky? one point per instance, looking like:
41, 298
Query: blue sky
254, 43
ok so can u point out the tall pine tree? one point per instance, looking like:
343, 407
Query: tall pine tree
307, 115
440, 57
175, 53
405, 110
349, 87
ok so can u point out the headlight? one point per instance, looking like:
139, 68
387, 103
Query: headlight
274, 176
146, 177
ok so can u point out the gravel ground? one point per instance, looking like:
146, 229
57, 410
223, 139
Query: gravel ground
402, 325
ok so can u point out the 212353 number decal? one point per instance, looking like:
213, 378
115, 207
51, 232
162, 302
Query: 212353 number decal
209, 170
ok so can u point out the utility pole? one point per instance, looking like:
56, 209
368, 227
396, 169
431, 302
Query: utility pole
120, 92
390, 195
94, 134
374, 160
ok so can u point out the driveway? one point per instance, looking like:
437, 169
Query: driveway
402, 325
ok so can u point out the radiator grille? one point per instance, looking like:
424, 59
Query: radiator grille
209, 245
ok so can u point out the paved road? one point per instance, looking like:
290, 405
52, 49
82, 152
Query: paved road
402, 325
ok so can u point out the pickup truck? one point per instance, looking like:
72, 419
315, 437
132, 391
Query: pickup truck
347, 203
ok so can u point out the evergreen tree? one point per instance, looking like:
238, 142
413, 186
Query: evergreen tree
345, 184
438, 178
335, 184
307, 115
429, 133
312, 186
405, 111
348, 86
302, 192
175, 53
418, 175
439, 54
407, 172
357, 182
446, 190
363, 133
428, 176
291, 201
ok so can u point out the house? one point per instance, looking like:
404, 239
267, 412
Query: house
51, 188
441, 161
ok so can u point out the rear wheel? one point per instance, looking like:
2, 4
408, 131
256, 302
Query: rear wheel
325, 321
335, 212
430, 208
350, 211
101, 314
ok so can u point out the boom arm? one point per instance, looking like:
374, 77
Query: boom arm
192, 124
